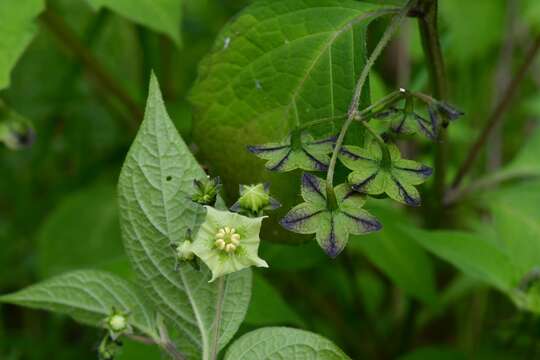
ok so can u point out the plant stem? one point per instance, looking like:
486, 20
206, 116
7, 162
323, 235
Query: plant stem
497, 115
386, 101
432, 49
353, 107
167, 345
61, 30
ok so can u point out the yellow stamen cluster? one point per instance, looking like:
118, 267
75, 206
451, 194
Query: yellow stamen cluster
227, 239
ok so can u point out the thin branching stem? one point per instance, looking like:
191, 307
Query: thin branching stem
353, 108
497, 115
70, 40
429, 33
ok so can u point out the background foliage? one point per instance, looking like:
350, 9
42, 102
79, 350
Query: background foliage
79, 71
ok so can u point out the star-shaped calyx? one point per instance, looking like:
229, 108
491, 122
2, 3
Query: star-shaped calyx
254, 200
228, 242
405, 120
331, 220
377, 171
299, 150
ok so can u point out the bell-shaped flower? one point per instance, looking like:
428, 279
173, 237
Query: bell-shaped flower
331, 227
408, 122
374, 175
228, 242
299, 150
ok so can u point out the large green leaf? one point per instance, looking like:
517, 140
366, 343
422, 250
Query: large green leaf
93, 209
398, 255
155, 210
163, 16
516, 213
268, 307
17, 29
278, 64
273, 343
88, 296
472, 254
525, 164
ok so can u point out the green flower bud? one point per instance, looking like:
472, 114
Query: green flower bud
108, 348
206, 191
16, 132
183, 251
254, 200
117, 323
254, 197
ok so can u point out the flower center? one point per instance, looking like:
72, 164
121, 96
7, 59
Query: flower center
227, 239
118, 323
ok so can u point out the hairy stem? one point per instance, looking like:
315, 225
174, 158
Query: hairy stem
166, 343
353, 107
432, 49
497, 115
383, 103
61, 30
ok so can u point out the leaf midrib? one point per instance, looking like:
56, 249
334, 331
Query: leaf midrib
342, 28
187, 289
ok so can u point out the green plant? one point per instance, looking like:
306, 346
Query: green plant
286, 88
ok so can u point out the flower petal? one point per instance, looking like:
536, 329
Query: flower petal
402, 192
395, 153
368, 180
357, 158
274, 204
304, 218
359, 221
269, 151
401, 124
323, 146
347, 196
411, 172
425, 127
332, 235
449, 111
314, 190
310, 161
282, 162
388, 113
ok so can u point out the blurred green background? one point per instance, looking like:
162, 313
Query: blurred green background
386, 298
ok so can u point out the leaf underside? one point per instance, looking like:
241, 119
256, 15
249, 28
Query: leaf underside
154, 194
88, 296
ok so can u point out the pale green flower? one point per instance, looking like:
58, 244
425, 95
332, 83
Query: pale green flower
228, 242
